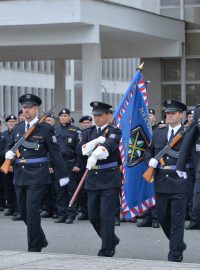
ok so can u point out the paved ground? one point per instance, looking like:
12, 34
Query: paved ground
80, 239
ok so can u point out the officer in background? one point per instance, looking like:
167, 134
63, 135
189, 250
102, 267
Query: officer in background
68, 137
31, 170
170, 192
20, 116
193, 225
49, 200
11, 121
85, 122
191, 148
2, 154
104, 178
150, 217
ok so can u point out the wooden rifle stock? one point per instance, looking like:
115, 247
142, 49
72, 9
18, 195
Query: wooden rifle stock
15, 149
82, 181
150, 171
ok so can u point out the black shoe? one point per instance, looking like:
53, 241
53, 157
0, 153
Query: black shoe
192, 226
45, 244
155, 225
83, 216
117, 222
69, 220
17, 218
55, 216
115, 242
106, 253
60, 220
1, 208
133, 220
178, 258
144, 223
9, 212
46, 215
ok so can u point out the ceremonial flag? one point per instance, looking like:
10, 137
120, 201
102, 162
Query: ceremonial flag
132, 117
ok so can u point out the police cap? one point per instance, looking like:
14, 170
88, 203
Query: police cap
100, 107
174, 106
30, 99
10, 117
190, 112
85, 117
64, 111
152, 111
51, 115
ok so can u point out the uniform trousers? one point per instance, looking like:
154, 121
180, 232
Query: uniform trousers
171, 208
2, 191
101, 212
29, 200
196, 206
10, 192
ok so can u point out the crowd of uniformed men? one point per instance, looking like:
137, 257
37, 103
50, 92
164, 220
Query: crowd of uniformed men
44, 177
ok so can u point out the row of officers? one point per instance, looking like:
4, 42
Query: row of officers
71, 150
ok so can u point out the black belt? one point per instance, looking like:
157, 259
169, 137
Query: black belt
31, 160
105, 166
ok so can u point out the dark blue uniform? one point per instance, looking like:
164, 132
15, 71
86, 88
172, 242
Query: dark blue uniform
171, 194
31, 177
68, 138
102, 186
2, 155
8, 182
191, 147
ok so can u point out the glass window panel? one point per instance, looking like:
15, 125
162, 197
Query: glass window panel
170, 92
192, 94
169, 2
192, 26
171, 70
192, 69
192, 14
193, 44
192, 2
171, 12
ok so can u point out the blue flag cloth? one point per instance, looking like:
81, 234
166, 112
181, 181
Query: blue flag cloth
132, 117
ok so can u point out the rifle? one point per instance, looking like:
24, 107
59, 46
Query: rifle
82, 181
15, 149
166, 150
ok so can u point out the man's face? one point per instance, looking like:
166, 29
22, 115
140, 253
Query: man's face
64, 118
190, 118
101, 119
174, 118
86, 124
152, 119
21, 117
11, 123
29, 112
50, 120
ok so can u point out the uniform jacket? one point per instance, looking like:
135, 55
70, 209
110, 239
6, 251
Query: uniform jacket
191, 148
110, 177
36, 173
165, 181
2, 147
68, 137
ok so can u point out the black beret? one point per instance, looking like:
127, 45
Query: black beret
152, 111
64, 111
30, 99
190, 112
174, 106
10, 117
51, 115
100, 107
85, 117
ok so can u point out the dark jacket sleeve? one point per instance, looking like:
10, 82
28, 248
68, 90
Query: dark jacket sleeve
186, 147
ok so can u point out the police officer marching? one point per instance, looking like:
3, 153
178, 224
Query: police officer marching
171, 193
104, 178
31, 170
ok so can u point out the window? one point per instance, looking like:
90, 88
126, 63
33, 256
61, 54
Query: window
171, 91
192, 94
171, 70
193, 43
192, 69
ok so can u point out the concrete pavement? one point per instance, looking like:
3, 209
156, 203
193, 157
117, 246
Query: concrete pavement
19, 260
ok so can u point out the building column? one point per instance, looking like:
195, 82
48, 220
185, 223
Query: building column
91, 75
59, 84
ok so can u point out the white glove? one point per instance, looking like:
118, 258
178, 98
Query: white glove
64, 181
9, 155
182, 174
91, 162
89, 147
99, 153
153, 162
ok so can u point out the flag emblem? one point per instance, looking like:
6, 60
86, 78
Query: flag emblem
138, 142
